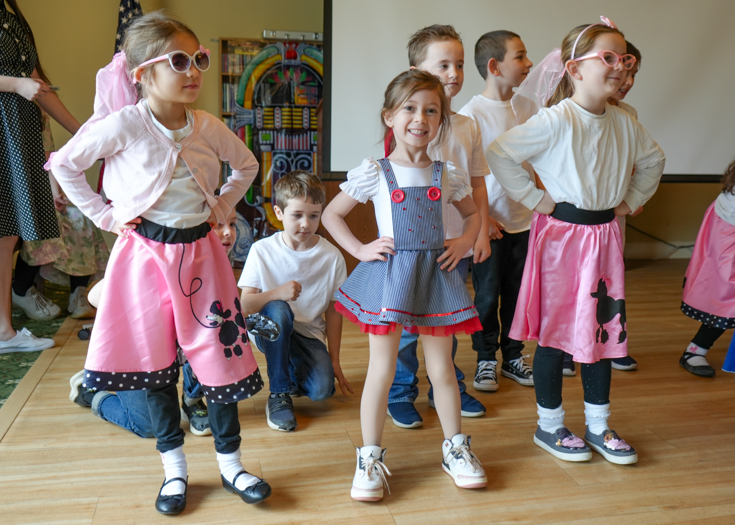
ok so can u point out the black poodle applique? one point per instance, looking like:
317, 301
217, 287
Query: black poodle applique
229, 330
607, 309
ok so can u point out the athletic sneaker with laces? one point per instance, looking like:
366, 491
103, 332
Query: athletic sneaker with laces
518, 371
462, 464
279, 413
569, 368
25, 341
404, 415
35, 305
469, 406
624, 363
79, 307
197, 416
486, 376
80, 394
369, 480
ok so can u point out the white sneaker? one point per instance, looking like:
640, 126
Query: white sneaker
25, 341
486, 376
370, 475
35, 305
79, 307
460, 463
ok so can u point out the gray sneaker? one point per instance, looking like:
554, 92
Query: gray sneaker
562, 444
279, 413
197, 415
612, 448
35, 305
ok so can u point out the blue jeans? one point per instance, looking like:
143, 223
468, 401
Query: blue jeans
405, 383
295, 363
497, 282
129, 409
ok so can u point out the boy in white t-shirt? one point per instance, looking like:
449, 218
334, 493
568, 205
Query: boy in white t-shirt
500, 57
291, 277
438, 49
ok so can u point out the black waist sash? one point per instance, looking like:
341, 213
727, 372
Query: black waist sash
570, 213
164, 234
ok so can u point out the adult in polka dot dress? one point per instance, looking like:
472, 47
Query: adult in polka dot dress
26, 203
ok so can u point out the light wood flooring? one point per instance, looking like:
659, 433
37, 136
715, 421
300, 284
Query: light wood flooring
60, 464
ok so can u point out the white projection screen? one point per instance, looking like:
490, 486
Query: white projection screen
684, 91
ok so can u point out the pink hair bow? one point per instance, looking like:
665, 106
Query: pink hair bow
605, 21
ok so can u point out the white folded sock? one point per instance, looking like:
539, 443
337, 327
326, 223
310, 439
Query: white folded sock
230, 466
174, 466
596, 417
699, 359
550, 419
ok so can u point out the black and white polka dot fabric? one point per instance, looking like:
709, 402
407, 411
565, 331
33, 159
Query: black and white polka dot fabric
715, 321
26, 203
124, 381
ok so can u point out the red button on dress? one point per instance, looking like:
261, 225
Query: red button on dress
434, 194
397, 195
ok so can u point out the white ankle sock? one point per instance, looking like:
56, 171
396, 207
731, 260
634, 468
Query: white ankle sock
550, 419
699, 359
174, 466
596, 417
230, 466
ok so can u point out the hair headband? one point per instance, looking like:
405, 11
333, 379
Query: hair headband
605, 22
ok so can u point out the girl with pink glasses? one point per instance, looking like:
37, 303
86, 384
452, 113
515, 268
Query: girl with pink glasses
572, 297
172, 279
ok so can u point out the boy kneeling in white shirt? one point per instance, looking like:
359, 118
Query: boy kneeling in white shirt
291, 277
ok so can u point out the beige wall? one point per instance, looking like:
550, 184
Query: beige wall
76, 37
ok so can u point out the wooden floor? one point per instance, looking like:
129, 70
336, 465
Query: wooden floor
60, 464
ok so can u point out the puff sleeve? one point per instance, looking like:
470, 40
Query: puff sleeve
363, 182
458, 183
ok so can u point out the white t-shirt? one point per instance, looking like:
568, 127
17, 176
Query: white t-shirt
320, 271
463, 147
494, 118
182, 204
584, 159
627, 107
367, 182
725, 207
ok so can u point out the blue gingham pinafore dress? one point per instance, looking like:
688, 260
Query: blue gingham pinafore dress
410, 289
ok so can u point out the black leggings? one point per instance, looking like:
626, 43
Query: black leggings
548, 373
706, 336
26, 274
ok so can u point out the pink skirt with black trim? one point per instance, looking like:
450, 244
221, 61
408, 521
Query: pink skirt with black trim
572, 296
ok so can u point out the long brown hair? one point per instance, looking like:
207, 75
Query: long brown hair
27, 28
406, 84
565, 89
728, 179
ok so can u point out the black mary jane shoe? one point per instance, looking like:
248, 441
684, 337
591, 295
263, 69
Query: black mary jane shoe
253, 494
175, 504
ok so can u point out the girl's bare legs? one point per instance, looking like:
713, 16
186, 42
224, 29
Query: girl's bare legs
7, 244
381, 369
438, 356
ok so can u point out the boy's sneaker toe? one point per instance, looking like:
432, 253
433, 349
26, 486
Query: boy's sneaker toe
486, 376
404, 415
79, 394
569, 368
197, 416
35, 305
279, 413
624, 363
518, 371
471, 407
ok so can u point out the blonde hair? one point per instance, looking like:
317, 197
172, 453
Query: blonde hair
423, 38
565, 89
146, 38
404, 86
299, 184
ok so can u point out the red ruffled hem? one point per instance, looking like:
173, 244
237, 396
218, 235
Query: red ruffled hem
469, 326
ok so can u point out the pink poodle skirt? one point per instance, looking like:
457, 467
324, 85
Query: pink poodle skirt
163, 286
572, 295
709, 287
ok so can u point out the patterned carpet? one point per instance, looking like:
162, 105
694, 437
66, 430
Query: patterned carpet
13, 366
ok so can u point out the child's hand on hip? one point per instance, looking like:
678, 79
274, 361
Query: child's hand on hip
546, 206
453, 253
375, 250
495, 229
123, 229
288, 292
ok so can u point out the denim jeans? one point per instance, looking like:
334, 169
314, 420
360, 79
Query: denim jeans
295, 363
163, 405
129, 409
497, 282
405, 383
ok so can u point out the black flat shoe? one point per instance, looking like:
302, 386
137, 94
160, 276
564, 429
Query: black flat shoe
172, 504
701, 370
253, 494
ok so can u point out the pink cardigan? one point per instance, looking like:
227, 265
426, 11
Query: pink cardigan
140, 161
